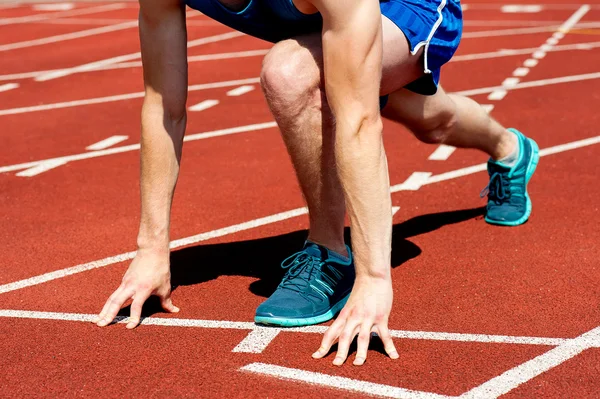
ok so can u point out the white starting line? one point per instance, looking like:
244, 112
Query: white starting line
260, 337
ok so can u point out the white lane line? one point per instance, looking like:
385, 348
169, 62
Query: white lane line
240, 90
538, 55
552, 41
201, 106
239, 325
135, 147
497, 95
530, 63
520, 8
67, 36
41, 168
343, 383
533, 83
263, 221
558, 35
53, 6
132, 64
395, 210
8, 86
132, 56
574, 19
527, 371
257, 340
42, 17
415, 181
442, 153
522, 71
108, 142
119, 97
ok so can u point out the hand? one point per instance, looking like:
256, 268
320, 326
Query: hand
149, 274
366, 311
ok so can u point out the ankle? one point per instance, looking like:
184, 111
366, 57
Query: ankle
507, 145
336, 245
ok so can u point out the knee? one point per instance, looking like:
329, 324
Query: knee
290, 77
435, 129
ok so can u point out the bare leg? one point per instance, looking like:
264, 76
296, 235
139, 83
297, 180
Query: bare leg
450, 119
292, 82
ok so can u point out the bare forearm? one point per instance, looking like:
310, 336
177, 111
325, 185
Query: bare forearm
363, 171
160, 156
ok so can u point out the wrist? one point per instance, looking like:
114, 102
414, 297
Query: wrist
153, 241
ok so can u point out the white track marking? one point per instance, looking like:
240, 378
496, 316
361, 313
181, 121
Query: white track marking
533, 83
519, 8
552, 41
239, 325
67, 36
8, 86
442, 153
53, 6
415, 181
257, 340
538, 55
343, 383
395, 210
135, 147
522, 71
108, 142
132, 64
119, 97
263, 221
558, 35
513, 52
497, 95
530, 63
240, 90
41, 168
132, 56
509, 83
201, 106
42, 17
488, 107
527, 371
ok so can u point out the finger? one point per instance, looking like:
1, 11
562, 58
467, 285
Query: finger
329, 338
136, 309
167, 304
388, 343
363, 343
346, 338
107, 304
115, 304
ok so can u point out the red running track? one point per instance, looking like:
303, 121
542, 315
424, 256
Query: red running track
479, 310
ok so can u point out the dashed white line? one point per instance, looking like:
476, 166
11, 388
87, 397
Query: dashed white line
488, 107
538, 55
442, 153
119, 97
558, 35
41, 168
530, 63
257, 340
509, 83
522, 71
497, 95
240, 90
8, 86
552, 41
135, 147
520, 8
204, 105
108, 142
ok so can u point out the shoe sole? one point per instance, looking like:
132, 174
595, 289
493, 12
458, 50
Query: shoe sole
306, 321
533, 162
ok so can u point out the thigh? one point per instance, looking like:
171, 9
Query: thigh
418, 111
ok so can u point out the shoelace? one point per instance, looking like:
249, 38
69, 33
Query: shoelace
498, 188
298, 264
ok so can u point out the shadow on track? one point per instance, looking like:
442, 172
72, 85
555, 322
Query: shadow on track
260, 258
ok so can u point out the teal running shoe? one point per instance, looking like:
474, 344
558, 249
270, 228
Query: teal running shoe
508, 201
315, 288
